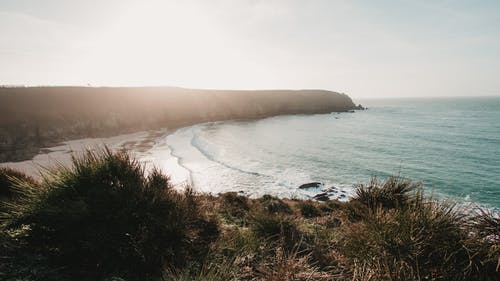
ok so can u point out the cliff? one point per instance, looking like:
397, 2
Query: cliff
35, 117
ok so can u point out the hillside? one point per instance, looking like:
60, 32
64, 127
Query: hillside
35, 117
104, 218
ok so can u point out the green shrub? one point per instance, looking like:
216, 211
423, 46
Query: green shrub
234, 207
424, 240
105, 217
308, 209
289, 265
483, 244
395, 192
276, 227
487, 224
355, 210
8, 179
331, 206
274, 205
211, 274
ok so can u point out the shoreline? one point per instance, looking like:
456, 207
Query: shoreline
334, 190
151, 149
60, 114
137, 143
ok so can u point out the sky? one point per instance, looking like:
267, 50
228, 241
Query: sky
372, 48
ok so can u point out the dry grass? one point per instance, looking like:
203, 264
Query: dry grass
104, 217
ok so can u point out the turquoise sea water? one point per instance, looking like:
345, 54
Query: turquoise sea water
452, 145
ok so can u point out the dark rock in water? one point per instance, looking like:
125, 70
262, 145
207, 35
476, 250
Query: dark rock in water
360, 107
310, 185
351, 111
342, 196
330, 189
321, 196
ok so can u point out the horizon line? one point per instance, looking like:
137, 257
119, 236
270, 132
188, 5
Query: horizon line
496, 94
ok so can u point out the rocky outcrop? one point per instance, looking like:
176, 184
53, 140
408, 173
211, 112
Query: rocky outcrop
311, 185
330, 193
323, 196
35, 117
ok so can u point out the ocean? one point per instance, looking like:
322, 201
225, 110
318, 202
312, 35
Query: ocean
451, 145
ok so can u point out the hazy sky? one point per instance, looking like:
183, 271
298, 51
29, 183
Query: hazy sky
363, 48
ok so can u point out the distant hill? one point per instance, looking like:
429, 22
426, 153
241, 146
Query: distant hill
34, 117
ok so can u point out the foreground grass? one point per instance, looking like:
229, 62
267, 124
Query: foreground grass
104, 218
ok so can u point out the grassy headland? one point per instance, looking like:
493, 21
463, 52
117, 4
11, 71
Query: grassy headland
35, 117
104, 218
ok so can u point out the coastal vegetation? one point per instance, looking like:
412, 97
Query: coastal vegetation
106, 218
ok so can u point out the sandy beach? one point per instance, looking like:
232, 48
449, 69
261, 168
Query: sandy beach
148, 147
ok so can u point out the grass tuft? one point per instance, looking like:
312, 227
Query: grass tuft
275, 205
392, 193
234, 207
9, 179
104, 216
308, 209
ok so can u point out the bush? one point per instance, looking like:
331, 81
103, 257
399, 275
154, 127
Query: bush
105, 217
214, 272
483, 244
289, 265
274, 205
308, 209
276, 227
406, 237
487, 224
355, 210
8, 180
234, 205
331, 206
393, 193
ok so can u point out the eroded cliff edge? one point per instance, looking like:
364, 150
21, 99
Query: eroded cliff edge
35, 117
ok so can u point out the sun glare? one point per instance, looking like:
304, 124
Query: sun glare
150, 43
